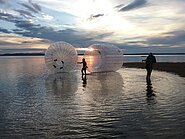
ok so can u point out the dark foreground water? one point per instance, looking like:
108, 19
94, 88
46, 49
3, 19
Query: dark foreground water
119, 104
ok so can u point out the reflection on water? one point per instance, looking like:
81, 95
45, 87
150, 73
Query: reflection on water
101, 88
150, 94
61, 83
84, 79
160, 58
102, 105
111, 82
149, 89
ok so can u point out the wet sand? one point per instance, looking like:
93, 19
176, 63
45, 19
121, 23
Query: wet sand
177, 68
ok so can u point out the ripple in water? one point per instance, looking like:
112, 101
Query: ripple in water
104, 105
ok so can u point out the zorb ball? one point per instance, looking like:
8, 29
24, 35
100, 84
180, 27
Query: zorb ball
103, 58
61, 57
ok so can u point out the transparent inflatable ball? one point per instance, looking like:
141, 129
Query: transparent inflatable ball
61, 57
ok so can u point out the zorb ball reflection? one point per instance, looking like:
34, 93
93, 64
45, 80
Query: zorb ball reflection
103, 58
61, 57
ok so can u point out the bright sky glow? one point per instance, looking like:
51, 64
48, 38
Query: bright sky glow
130, 24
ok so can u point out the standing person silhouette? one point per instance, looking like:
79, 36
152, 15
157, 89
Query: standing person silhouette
150, 60
84, 67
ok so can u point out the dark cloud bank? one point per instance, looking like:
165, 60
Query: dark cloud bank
133, 5
33, 7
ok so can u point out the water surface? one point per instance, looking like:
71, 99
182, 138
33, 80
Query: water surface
159, 58
34, 104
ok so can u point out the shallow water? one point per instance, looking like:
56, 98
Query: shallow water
34, 104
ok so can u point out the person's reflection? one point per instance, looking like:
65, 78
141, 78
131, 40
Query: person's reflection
104, 93
149, 89
84, 81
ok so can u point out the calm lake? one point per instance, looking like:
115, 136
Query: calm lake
36, 104
159, 58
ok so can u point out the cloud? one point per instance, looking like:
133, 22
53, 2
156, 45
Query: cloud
48, 17
169, 39
11, 13
9, 17
24, 13
22, 50
33, 7
131, 48
95, 16
133, 5
14, 41
27, 18
3, 1
103, 35
4, 30
28, 29
36, 30
119, 6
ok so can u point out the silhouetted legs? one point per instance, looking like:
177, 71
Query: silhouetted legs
148, 81
148, 75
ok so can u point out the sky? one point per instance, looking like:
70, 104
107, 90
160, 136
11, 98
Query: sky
133, 25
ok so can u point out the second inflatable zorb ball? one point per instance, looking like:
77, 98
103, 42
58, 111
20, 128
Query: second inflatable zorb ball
103, 58
61, 57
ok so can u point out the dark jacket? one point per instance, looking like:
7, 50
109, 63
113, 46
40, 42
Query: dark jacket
150, 60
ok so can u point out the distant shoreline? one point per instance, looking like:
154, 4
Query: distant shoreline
155, 54
173, 67
23, 54
42, 54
